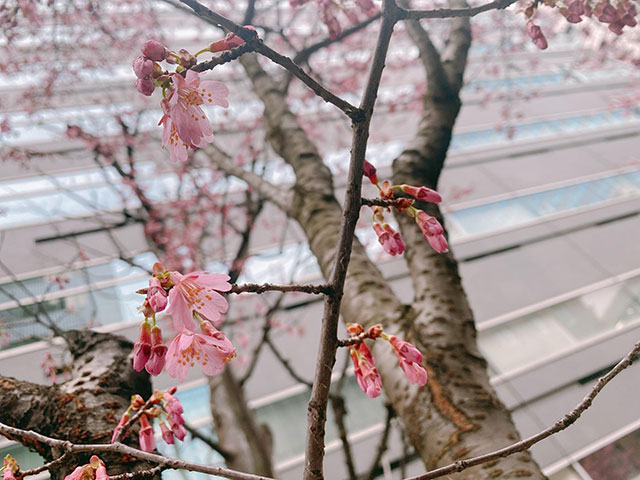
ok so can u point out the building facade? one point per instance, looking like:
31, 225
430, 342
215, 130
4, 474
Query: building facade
542, 212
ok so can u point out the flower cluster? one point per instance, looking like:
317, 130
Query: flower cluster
94, 470
10, 467
623, 14
367, 375
194, 296
185, 124
162, 405
391, 240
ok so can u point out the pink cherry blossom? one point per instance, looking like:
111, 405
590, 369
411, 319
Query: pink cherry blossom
432, 231
187, 96
211, 352
390, 240
197, 292
146, 437
142, 348
422, 193
178, 149
366, 372
185, 123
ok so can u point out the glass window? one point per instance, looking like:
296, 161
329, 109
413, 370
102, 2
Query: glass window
560, 327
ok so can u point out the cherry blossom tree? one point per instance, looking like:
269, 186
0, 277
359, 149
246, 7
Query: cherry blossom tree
423, 355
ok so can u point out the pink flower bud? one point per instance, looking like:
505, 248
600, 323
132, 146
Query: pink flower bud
410, 359
142, 348
142, 66
432, 231
145, 86
146, 438
375, 331
405, 350
10, 467
414, 373
155, 364
608, 14
231, 40
536, 35
156, 295
354, 329
616, 27
123, 420
370, 172
629, 20
101, 473
390, 240
154, 50
167, 434
422, 193
366, 373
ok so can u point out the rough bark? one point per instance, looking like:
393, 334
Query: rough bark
248, 443
459, 400
84, 409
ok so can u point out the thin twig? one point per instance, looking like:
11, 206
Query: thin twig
248, 35
42, 468
382, 446
317, 409
455, 12
339, 412
151, 472
270, 287
287, 364
378, 202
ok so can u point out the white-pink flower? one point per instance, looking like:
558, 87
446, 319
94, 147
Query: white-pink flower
197, 292
185, 123
211, 352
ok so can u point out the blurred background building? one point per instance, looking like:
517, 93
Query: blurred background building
542, 194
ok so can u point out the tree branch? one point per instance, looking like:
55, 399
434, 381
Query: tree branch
249, 35
269, 287
269, 191
455, 12
527, 443
316, 416
101, 448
